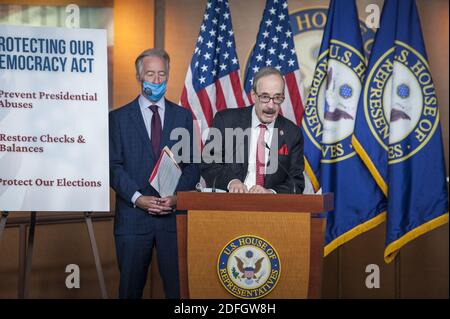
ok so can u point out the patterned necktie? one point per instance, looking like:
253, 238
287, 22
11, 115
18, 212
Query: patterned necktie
156, 131
260, 156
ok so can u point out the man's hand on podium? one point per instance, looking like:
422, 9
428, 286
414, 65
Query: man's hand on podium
257, 189
236, 186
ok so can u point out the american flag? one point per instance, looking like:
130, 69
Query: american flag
275, 47
212, 81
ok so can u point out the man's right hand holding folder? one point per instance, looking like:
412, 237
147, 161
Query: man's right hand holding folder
164, 179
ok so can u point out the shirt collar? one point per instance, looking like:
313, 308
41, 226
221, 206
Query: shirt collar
144, 103
256, 122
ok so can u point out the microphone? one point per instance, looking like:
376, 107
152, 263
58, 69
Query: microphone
294, 185
221, 172
224, 170
213, 189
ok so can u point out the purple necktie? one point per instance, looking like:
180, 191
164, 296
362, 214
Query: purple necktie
156, 131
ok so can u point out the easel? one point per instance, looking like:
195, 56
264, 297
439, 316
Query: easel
3, 218
24, 287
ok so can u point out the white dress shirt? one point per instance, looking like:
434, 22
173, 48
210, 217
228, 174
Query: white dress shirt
147, 115
250, 179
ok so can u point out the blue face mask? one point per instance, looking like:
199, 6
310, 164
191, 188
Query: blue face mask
153, 92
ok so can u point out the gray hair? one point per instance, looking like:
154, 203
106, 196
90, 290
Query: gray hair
263, 72
157, 52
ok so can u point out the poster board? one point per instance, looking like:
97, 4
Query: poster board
53, 119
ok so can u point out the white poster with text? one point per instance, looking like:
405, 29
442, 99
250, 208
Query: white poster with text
53, 119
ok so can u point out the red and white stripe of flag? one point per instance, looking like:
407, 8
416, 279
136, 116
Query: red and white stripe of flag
224, 93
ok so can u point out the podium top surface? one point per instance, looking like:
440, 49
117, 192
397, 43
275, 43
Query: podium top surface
255, 202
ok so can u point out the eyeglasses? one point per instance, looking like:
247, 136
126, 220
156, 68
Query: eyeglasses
265, 98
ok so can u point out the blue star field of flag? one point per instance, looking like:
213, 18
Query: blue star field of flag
215, 51
274, 45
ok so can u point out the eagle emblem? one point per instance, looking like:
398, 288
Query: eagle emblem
336, 107
400, 110
249, 272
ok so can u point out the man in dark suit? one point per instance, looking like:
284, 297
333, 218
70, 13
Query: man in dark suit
266, 153
138, 132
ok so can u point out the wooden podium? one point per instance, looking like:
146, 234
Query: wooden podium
290, 223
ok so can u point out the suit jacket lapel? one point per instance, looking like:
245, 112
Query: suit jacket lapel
136, 117
280, 131
275, 144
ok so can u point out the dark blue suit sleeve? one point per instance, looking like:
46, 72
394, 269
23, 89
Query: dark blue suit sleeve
121, 182
191, 171
217, 166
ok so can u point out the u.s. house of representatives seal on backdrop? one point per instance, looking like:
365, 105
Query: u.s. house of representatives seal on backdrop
249, 267
307, 27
